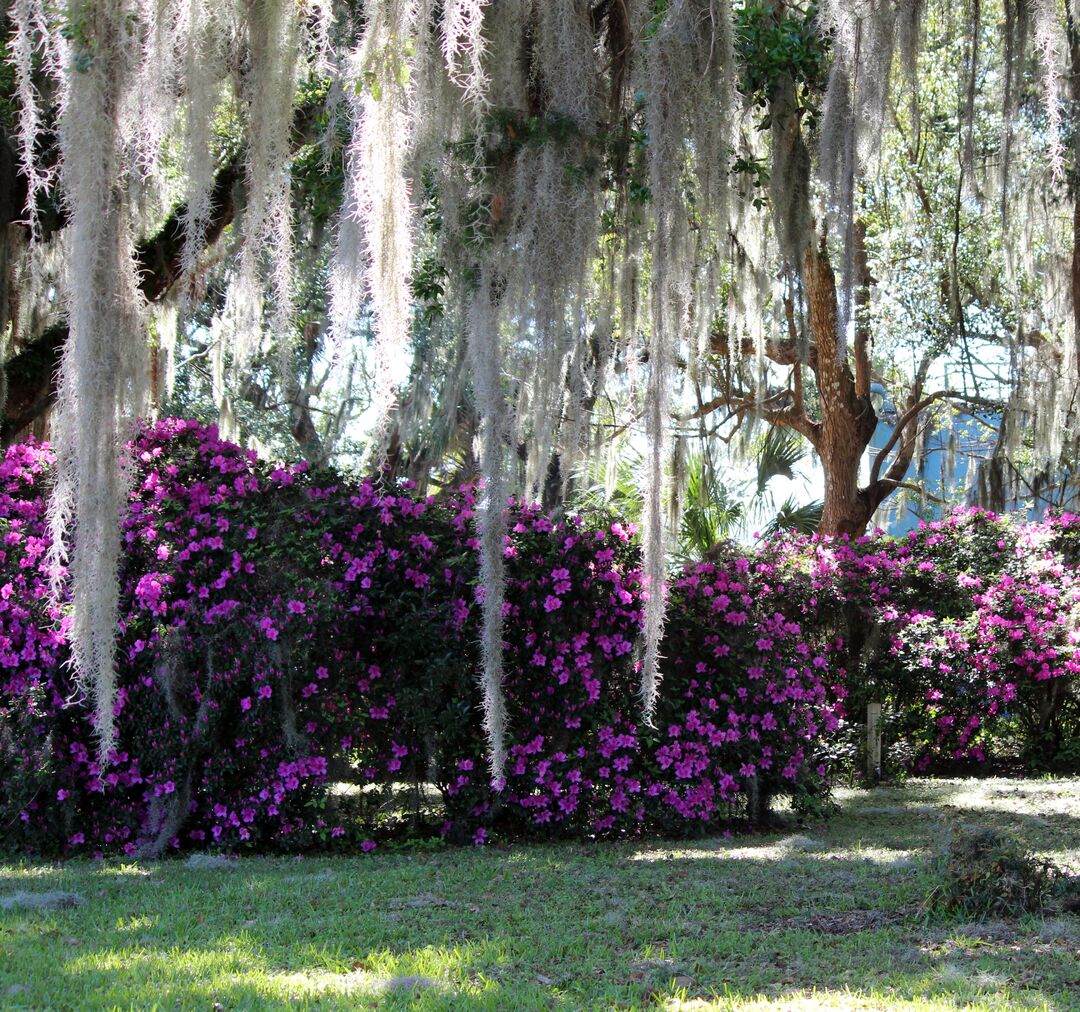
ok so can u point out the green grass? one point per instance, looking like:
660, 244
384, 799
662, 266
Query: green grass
824, 918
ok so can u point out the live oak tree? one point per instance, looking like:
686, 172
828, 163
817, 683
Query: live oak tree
668, 206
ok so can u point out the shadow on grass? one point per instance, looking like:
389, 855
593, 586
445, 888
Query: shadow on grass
832, 909
638, 936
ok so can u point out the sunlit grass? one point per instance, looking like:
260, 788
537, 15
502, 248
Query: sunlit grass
825, 916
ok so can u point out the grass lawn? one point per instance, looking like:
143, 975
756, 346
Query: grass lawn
824, 918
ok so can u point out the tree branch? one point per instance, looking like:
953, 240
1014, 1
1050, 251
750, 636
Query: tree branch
912, 415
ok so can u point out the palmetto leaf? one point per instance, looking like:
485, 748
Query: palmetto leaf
781, 450
799, 519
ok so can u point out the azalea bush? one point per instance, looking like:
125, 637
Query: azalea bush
753, 689
298, 665
965, 628
994, 664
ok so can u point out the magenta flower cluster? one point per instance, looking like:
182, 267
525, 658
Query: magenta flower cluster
284, 631
968, 627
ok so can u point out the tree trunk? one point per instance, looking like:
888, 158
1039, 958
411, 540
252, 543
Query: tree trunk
846, 508
848, 419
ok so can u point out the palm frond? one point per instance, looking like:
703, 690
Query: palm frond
798, 519
710, 510
781, 450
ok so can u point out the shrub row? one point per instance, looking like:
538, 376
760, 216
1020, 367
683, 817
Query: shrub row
298, 664
298, 659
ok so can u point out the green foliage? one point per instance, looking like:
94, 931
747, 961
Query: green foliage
781, 450
770, 48
710, 510
757, 170
430, 274
796, 518
318, 168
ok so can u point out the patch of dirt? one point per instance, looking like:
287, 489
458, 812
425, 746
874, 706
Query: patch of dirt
1061, 930
200, 862
901, 810
408, 984
908, 955
804, 843
325, 875
654, 964
427, 901
988, 931
654, 970
844, 922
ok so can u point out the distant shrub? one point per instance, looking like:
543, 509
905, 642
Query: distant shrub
984, 644
966, 629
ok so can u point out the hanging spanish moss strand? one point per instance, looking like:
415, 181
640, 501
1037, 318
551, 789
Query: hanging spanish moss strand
270, 86
839, 146
319, 35
167, 326
463, 49
31, 35
668, 70
103, 370
543, 203
202, 92
485, 355
909, 18
712, 52
1017, 17
347, 272
864, 36
1049, 38
379, 195
222, 327
152, 97
566, 57
789, 176
711, 142
967, 118
434, 98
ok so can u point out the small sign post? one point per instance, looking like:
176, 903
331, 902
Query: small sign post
873, 742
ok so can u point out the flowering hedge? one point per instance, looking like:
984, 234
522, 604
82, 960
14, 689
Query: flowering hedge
988, 637
284, 633
298, 658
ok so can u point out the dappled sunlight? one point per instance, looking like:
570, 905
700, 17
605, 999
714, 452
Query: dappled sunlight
1052, 799
237, 966
885, 858
29, 872
818, 916
768, 851
424, 969
124, 924
231, 955
791, 849
126, 871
